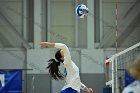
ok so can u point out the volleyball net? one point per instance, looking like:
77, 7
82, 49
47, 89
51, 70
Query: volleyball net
118, 64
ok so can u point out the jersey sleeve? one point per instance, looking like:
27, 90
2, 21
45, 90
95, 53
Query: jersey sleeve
67, 56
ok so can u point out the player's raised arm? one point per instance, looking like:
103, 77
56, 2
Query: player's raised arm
61, 46
47, 44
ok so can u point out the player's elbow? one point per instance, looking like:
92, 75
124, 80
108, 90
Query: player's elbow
64, 46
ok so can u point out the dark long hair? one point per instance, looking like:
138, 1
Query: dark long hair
53, 67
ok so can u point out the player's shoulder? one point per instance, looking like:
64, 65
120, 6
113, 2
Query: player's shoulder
134, 87
128, 90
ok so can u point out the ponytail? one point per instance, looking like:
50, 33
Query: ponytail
54, 71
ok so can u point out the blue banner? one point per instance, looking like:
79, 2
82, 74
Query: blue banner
10, 81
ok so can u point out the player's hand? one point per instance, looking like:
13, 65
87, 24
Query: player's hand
89, 90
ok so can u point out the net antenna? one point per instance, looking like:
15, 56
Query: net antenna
116, 25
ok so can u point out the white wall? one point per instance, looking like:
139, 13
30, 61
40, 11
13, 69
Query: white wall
37, 60
92, 61
12, 59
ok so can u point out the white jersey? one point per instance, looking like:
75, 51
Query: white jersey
72, 77
134, 87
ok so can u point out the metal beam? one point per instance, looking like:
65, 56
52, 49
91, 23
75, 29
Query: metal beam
129, 19
20, 37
